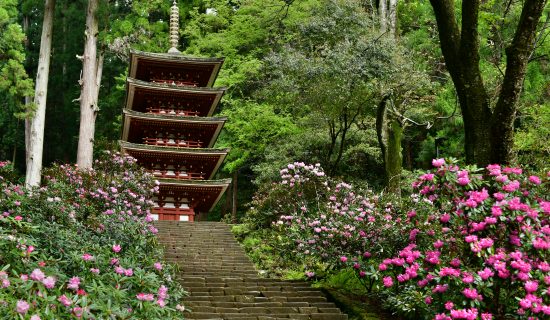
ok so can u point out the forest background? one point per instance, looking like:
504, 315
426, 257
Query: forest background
360, 87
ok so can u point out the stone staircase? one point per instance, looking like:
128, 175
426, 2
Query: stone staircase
223, 284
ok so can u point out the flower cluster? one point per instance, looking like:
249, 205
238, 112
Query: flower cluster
466, 237
83, 246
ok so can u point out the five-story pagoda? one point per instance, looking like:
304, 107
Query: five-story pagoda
168, 127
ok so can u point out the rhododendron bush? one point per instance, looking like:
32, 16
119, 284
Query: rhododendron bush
83, 246
468, 244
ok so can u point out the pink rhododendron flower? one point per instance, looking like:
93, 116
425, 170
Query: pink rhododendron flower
145, 296
37, 275
343, 259
129, 272
22, 306
64, 300
87, 257
94, 270
388, 281
438, 162
471, 293
449, 305
535, 180
74, 283
531, 286
116, 248
49, 282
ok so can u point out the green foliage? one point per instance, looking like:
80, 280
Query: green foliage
251, 130
14, 82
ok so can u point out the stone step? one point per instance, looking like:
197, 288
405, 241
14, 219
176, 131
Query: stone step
223, 284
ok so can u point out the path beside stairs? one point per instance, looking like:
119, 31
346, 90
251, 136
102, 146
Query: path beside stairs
223, 284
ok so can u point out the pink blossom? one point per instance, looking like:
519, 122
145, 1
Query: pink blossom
129, 272
87, 257
531, 286
388, 282
145, 296
444, 218
511, 186
116, 248
449, 305
49, 282
463, 181
438, 162
157, 265
343, 259
94, 270
535, 180
35, 317
64, 300
22, 307
486, 273
486, 316
471, 293
74, 283
119, 270
163, 292
540, 244
37, 275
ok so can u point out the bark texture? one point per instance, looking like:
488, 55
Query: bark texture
488, 132
390, 133
34, 126
90, 82
383, 15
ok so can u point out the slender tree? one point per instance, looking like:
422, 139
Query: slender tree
34, 126
92, 66
488, 130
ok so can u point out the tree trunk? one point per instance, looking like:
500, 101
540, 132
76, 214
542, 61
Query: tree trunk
383, 15
91, 69
488, 135
393, 17
517, 57
389, 133
34, 127
234, 210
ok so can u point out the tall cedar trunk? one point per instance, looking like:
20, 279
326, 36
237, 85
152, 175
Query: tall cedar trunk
234, 210
393, 17
389, 133
383, 15
488, 135
34, 127
89, 91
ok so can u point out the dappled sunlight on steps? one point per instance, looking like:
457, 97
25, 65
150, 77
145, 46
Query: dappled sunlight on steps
223, 283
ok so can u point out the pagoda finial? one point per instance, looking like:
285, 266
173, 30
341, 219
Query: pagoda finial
174, 28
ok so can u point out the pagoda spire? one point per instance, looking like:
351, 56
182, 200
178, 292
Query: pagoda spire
174, 28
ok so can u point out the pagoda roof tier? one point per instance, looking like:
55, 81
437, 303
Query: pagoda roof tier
153, 97
154, 67
202, 195
197, 160
139, 126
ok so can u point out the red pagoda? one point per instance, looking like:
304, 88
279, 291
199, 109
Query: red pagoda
168, 127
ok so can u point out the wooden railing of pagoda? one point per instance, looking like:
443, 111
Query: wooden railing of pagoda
172, 112
172, 82
174, 213
180, 175
169, 142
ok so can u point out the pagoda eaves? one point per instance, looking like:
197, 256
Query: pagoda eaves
157, 98
155, 67
158, 129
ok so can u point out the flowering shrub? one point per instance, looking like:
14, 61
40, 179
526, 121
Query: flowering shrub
83, 246
469, 244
